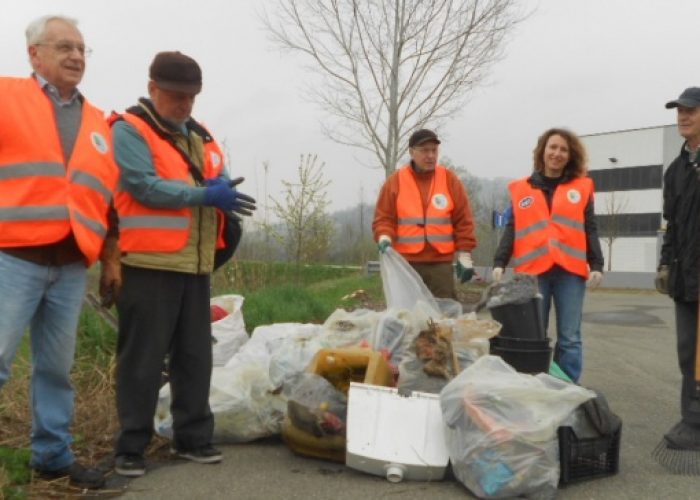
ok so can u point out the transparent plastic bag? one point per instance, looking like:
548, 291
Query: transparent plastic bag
349, 328
403, 287
316, 407
502, 428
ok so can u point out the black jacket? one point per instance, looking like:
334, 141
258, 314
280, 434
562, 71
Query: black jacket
681, 246
594, 255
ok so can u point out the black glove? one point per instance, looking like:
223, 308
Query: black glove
661, 280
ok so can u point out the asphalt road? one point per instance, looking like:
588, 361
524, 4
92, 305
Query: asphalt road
629, 356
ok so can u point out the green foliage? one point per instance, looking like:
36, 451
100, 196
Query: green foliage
14, 472
278, 292
96, 340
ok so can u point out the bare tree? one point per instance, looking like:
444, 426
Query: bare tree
612, 221
391, 67
307, 227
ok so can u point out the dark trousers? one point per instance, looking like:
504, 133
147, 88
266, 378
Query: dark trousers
686, 336
437, 276
163, 312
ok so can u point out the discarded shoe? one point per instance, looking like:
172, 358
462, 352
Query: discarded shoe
203, 455
683, 436
78, 476
130, 465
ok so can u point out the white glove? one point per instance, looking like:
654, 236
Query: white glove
383, 243
497, 274
594, 279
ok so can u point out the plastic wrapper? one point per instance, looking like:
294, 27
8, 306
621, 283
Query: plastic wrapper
229, 332
403, 287
502, 428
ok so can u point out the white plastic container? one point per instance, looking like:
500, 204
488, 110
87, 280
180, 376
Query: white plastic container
395, 436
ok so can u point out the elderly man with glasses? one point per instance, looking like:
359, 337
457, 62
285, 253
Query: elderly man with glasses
57, 176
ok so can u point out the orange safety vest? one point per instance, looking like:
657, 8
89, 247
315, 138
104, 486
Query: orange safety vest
544, 238
151, 229
43, 199
418, 224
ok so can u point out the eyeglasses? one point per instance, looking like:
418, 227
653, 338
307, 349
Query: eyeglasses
65, 48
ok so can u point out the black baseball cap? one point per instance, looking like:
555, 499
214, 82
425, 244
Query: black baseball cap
176, 71
422, 136
690, 98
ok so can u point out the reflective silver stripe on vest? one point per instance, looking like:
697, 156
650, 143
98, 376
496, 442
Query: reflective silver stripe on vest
407, 239
567, 222
411, 221
32, 169
51, 212
440, 237
92, 225
153, 222
578, 254
534, 254
520, 233
89, 180
428, 220
438, 220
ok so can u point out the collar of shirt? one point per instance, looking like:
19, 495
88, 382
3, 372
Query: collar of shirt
692, 153
53, 92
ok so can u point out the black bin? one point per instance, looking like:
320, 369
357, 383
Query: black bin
520, 320
525, 360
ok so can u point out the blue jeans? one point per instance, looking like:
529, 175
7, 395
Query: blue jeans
48, 300
567, 290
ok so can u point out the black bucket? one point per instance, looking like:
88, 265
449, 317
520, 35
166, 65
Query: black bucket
518, 343
523, 321
524, 360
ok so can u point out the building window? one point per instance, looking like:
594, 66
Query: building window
627, 178
628, 225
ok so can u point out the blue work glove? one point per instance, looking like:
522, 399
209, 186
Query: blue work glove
383, 243
222, 194
465, 267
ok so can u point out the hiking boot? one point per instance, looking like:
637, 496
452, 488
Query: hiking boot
78, 476
130, 465
202, 455
683, 436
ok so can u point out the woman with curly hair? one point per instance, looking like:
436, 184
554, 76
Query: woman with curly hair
553, 235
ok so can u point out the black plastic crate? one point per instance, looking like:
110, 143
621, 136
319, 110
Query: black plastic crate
587, 458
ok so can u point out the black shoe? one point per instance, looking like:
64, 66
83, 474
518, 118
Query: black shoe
130, 465
78, 476
203, 455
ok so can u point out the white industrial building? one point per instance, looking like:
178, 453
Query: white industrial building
627, 168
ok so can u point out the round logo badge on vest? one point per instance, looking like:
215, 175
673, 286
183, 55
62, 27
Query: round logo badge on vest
215, 158
526, 202
440, 201
573, 196
99, 142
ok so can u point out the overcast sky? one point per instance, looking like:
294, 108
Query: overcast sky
590, 65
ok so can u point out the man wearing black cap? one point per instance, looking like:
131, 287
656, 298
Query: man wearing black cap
423, 212
679, 266
173, 197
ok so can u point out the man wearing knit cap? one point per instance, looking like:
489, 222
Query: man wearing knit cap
174, 199
423, 213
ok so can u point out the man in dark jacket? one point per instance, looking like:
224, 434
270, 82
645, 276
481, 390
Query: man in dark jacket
678, 267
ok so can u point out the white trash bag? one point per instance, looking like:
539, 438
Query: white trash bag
403, 286
229, 332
